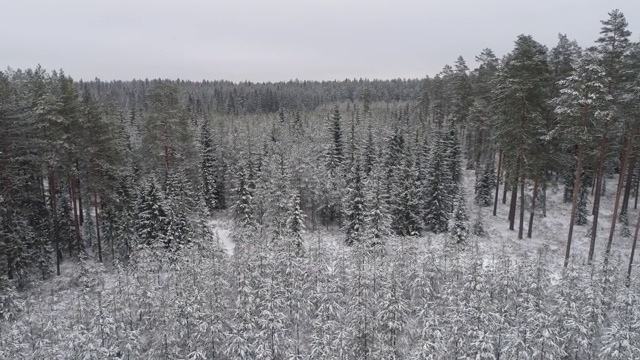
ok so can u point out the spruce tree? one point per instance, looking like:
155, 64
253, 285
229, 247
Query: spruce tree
335, 152
208, 168
151, 217
486, 184
437, 194
459, 228
355, 207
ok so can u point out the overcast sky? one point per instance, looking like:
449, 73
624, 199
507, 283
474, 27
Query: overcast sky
273, 40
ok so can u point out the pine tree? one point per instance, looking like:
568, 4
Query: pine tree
612, 46
522, 90
580, 111
482, 113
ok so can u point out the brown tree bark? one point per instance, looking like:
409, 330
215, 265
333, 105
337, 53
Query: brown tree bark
533, 206
504, 189
7, 225
574, 203
628, 182
635, 202
522, 202
633, 251
498, 176
76, 219
96, 204
614, 220
54, 210
514, 195
598, 193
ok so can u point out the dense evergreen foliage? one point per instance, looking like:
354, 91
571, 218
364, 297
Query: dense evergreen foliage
125, 183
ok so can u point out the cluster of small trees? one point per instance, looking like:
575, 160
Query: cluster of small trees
269, 301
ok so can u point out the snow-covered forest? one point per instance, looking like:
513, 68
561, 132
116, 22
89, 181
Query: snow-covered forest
489, 213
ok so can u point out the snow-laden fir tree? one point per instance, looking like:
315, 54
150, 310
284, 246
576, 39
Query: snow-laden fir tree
407, 211
355, 207
378, 217
438, 197
208, 169
151, 217
459, 228
335, 151
485, 184
242, 208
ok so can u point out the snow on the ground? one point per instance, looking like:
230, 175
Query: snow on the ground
223, 229
550, 231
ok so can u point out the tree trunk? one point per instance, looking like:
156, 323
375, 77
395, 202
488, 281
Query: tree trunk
95, 199
522, 203
574, 203
628, 182
623, 169
54, 211
504, 189
76, 219
498, 175
635, 202
598, 192
8, 227
544, 199
633, 251
533, 206
79, 193
514, 195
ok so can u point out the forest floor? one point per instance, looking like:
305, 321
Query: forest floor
549, 231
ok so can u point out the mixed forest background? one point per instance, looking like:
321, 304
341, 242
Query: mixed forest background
354, 233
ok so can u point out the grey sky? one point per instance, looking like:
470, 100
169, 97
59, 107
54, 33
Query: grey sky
260, 40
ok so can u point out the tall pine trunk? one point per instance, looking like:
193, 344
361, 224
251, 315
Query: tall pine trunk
628, 183
522, 204
598, 193
614, 220
54, 211
633, 251
76, 219
574, 203
8, 227
533, 205
499, 174
514, 195
635, 202
79, 193
95, 200
504, 189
